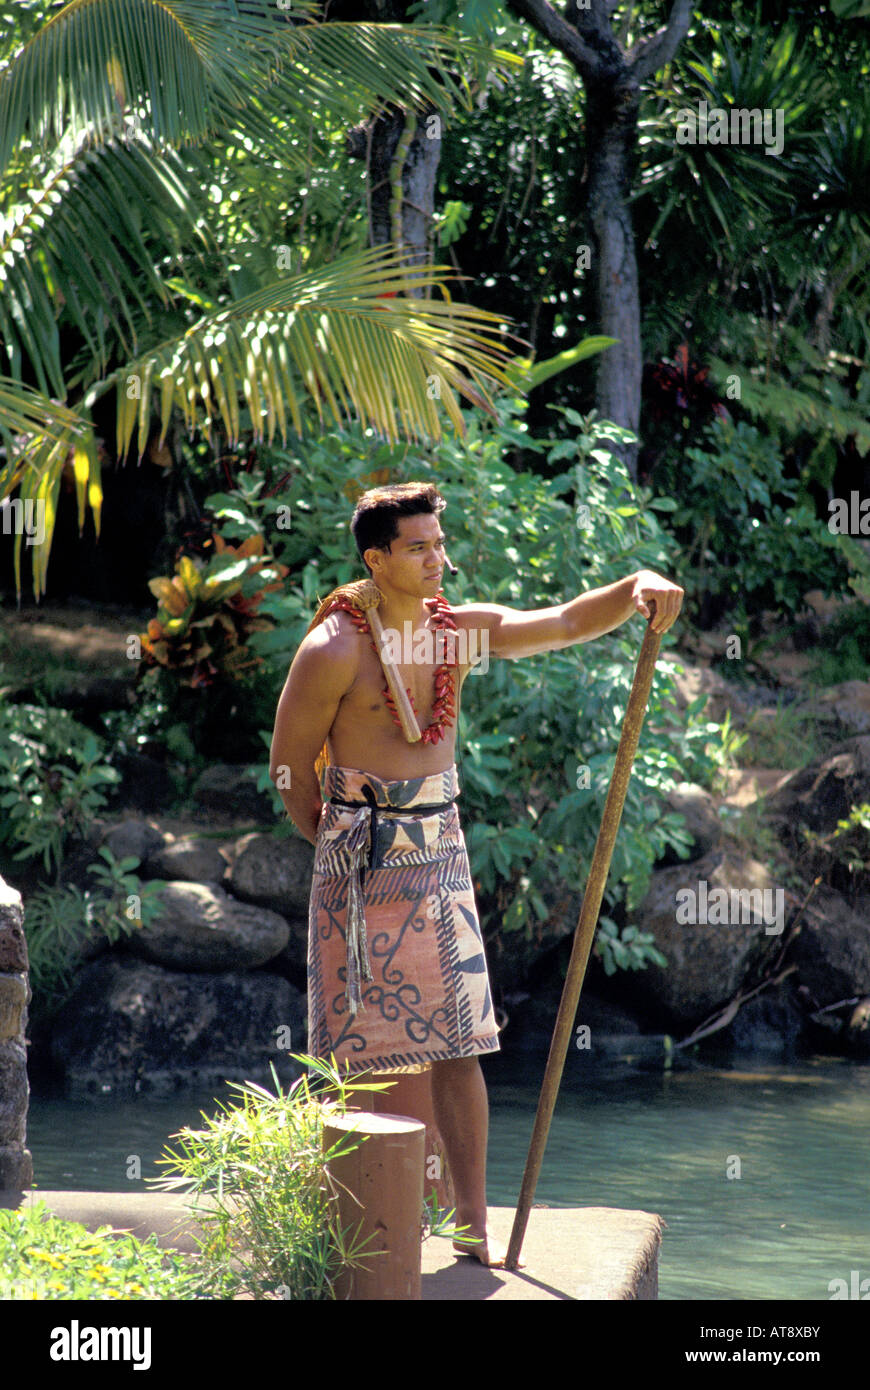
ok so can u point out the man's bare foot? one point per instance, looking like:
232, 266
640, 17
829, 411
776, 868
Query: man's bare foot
488, 1251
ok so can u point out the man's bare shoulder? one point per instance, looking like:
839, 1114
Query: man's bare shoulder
330, 650
335, 634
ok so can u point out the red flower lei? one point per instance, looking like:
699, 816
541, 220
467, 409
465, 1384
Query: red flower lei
444, 707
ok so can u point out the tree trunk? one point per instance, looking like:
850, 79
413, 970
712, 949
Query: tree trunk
612, 80
611, 121
403, 201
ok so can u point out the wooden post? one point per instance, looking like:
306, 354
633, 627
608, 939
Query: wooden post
380, 1196
411, 1094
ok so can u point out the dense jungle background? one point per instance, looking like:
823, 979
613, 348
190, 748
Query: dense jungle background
219, 323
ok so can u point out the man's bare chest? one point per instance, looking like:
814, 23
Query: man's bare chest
366, 696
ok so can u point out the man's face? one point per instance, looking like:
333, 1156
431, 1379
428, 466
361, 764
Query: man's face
415, 561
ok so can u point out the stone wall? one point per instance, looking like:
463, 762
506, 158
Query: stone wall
16, 1165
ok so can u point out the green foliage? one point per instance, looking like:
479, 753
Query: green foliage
760, 258
859, 563
851, 839
452, 222
706, 181
797, 391
262, 1190
53, 779
155, 723
848, 663
478, 17
747, 546
43, 1257
843, 652
60, 923
630, 950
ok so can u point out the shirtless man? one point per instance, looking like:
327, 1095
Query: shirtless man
333, 692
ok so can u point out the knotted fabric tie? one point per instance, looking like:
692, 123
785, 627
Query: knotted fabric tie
364, 831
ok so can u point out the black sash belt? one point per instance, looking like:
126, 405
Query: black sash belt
371, 802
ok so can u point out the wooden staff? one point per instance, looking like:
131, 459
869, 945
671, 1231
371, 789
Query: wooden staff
585, 931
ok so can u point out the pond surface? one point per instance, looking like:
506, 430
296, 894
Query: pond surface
796, 1217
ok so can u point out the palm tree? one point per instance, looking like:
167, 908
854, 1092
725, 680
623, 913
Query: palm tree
108, 266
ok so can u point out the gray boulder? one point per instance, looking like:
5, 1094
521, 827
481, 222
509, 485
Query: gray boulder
187, 859
203, 928
692, 681
274, 872
771, 1025
707, 961
133, 836
132, 1025
229, 791
822, 793
832, 949
850, 702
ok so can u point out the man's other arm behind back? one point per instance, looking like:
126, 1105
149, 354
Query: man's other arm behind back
323, 670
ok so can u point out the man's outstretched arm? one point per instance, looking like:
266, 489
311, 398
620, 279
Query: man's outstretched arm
513, 633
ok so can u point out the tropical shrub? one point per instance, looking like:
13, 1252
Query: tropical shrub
206, 614
54, 776
199, 640
43, 1257
747, 546
60, 923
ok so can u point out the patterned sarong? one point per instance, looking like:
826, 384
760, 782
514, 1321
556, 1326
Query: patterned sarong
401, 902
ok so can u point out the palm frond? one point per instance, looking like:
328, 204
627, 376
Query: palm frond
344, 337
36, 472
196, 66
47, 436
24, 411
78, 234
94, 58
734, 190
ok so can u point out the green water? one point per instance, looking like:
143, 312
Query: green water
797, 1217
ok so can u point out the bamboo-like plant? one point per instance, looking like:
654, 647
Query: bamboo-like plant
99, 208
263, 1192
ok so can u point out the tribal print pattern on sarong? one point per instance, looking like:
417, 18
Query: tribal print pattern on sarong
429, 996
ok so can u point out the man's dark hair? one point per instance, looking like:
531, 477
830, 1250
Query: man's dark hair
375, 521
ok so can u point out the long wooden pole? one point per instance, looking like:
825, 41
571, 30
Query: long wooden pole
585, 931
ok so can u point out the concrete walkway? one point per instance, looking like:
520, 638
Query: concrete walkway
567, 1253
586, 1253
